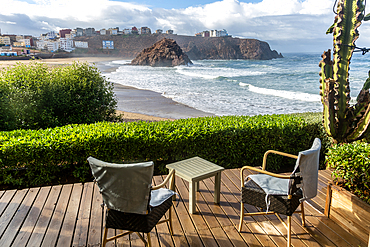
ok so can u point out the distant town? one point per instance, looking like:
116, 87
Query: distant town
64, 41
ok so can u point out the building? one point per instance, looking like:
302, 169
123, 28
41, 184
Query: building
103, 32
218, 33
66, 44
42, 44
51, 35
126, 31
90, 31
159, 31
134, 30
63, 32
5, 40
169, 31
79, 32
145, 30
53, 46
108, 44
81, 44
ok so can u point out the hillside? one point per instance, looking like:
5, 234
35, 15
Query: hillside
195, 47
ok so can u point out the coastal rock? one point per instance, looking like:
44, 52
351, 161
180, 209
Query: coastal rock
164, 53
197, 48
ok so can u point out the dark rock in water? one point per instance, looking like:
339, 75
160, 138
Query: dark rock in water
164, 53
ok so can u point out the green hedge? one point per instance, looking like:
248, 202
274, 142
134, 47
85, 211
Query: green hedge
34, 157
36, 96
351, 164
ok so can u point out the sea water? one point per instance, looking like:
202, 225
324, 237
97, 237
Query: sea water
241, 87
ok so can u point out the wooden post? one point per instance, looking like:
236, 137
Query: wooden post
328, 200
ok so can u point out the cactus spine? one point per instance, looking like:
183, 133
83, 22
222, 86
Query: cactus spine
341, 121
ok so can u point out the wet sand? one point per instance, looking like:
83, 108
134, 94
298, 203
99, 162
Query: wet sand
135, 104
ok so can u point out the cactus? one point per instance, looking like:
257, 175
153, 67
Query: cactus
342, 121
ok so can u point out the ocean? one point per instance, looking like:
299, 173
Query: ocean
241, 87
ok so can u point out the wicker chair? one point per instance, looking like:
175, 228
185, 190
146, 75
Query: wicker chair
282, 194
131, 202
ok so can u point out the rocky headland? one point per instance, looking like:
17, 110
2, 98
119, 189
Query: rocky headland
164, 53
197, 48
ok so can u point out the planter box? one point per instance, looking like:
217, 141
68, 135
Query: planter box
348, 211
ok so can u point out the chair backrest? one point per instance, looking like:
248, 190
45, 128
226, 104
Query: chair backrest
308, 163
124, 187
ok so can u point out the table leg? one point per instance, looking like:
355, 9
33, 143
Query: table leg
197, 186
192, 197
217, 188
172, 184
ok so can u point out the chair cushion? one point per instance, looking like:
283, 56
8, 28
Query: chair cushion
254, 195
157, 197
137, 222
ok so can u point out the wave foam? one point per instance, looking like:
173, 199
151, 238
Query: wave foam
283, 94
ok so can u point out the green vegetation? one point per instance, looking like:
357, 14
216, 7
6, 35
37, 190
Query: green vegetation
33, 157
35, 96
343, 122
351, 164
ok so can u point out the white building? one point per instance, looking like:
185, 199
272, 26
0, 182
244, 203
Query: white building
113, 31
66, 44
108, 44
127, 31
103, 32
81, 44
41, 44
53, 46
218, 33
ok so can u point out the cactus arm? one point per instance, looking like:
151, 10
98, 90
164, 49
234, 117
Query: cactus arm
327, 93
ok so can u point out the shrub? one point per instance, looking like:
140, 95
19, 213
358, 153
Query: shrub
351, 164
28, 157
42, 97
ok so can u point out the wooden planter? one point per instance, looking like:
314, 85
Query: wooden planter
348, 211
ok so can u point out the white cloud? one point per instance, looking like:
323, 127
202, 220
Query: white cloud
284, 23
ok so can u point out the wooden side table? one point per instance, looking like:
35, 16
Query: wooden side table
194, 170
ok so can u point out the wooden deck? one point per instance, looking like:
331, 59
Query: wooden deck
71, 215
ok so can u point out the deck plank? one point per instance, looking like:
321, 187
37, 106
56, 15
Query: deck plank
69, 222
53, 229
95, 225
31, 220
11, 231
83, 218
42, 223
11, 209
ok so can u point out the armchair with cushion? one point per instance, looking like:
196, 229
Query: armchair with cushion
131, 202
282, 194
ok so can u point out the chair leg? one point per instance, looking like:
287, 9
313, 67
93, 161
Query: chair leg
289, 230
105, 237
302, 215
149, 242
170, 220
241, 216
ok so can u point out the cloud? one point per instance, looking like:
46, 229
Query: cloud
288, 25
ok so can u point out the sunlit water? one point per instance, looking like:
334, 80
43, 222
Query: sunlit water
241, 87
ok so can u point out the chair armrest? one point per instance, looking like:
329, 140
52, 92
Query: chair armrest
275, 152
261, 171
165, 181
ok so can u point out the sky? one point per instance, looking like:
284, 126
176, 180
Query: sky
287, 25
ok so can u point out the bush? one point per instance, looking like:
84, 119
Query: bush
351, 164
28, 157
40, 97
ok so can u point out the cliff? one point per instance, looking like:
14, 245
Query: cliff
164, 53
195, 47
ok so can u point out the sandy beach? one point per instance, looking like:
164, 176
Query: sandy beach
135, 104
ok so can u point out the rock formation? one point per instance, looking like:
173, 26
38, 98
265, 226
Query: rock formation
197, 48
164, 53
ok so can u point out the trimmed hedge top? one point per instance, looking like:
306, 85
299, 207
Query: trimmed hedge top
231, 141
